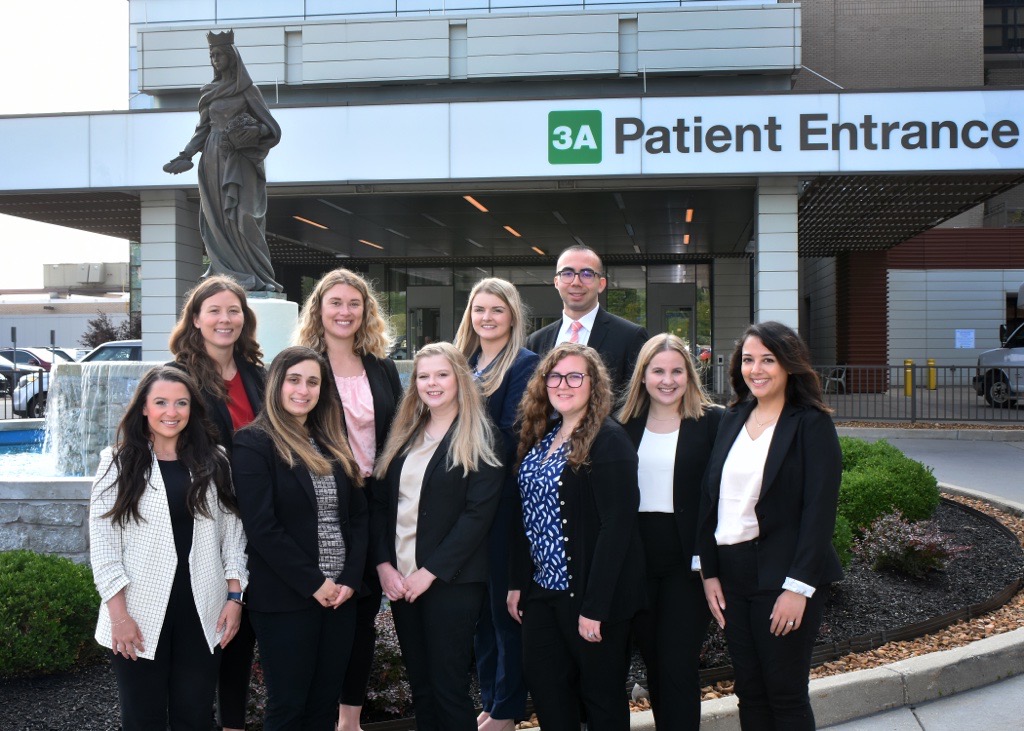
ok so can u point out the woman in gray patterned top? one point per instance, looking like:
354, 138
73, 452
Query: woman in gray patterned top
306, 519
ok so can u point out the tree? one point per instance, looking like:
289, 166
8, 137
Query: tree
102, 330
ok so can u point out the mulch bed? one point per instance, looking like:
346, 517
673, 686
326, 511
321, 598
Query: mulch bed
864, 602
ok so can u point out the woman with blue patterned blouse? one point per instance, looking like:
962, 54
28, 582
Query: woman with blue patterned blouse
577, 565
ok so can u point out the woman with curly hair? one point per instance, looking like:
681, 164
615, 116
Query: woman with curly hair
168, 555
306, 519
492, 337
439, 483
577, 567
214, 341
342, 321
768, 511
673, 425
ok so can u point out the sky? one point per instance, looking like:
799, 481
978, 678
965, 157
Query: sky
59, 56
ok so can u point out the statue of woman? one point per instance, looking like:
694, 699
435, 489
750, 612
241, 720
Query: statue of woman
235, 133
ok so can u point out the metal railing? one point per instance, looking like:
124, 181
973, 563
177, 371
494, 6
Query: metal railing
911, 392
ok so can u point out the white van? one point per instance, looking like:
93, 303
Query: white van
1000, 376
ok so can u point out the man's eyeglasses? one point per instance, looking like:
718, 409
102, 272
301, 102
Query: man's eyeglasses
573, 380
587, 276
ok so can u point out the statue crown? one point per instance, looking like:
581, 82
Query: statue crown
227, 38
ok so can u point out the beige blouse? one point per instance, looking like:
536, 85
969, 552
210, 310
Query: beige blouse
409, 486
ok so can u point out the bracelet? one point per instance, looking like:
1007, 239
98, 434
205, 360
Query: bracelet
120, 621
239, 602
237, 597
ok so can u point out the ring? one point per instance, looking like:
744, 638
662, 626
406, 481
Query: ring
591, 635
790, 623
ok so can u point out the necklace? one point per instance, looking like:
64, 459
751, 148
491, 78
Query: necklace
760, 424
655, 418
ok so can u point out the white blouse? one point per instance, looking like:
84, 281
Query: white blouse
741, 487
655, 473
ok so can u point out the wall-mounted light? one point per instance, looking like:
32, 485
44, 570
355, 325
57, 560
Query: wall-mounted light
686, 239
539, 251
475, 203
370, 243
513, 231
689, 215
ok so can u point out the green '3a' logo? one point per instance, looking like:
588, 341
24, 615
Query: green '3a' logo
574, 138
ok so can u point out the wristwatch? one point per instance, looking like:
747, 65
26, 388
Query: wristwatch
237, 596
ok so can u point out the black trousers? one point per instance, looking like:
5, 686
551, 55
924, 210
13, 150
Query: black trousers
436, 636
235, 673
499, 642
304, 655
353, 690
671, 631
771, 672
565, 673
175, 689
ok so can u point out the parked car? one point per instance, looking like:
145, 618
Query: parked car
38, 357
29, 397
1000, 374
10, 373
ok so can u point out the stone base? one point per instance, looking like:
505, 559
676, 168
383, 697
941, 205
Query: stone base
275, 324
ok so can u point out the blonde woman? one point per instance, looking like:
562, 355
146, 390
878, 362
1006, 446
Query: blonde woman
673, 425
577, 565
492, 337
343, 321
306, 519
439, 483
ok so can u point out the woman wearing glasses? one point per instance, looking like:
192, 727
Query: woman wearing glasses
673, 425
577, 567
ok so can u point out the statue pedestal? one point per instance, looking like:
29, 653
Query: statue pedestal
275, 322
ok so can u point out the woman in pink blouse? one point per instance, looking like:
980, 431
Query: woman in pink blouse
343, 320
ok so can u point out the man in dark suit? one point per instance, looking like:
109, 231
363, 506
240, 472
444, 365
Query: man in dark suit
579, 279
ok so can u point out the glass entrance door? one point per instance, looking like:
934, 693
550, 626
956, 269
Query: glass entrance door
679, 321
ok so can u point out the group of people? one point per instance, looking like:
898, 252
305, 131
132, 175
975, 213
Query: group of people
534, 504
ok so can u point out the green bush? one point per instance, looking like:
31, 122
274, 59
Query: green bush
842, 540
879, 479
48, 609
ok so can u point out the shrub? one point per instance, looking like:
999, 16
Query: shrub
896, 544
388, 694
842, 540
48, 609
880, 479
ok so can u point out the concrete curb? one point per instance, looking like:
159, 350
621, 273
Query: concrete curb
963, 435
841, 698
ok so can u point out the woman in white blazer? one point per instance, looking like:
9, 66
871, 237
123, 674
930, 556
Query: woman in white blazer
168, 555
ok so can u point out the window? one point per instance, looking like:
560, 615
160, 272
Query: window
1004, 26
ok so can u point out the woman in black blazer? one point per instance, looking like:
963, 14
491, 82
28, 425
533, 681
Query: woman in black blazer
577, 573
306, 519
343, 321
214, 341
768, 511
439, 484
491, 336
673, 425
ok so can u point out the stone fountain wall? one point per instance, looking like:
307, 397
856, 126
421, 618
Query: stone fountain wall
46, 516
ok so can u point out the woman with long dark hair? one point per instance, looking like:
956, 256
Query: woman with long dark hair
305, 516
439, 483
673, 425
577, 574
492, 336
214, 341
768, 511
168, 556
342, 320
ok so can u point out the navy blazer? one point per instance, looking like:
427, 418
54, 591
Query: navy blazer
279, 512
455, 516
599, 504
618, 341
503, 404
796, 510
693, 450
254, 380
386, 388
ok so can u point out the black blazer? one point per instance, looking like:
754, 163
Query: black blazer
599, 502
386, 388
693, 450
254, 379
796, 511
617, 340
456, 513
503, 403
279, 512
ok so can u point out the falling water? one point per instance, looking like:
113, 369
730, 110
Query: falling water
84, 406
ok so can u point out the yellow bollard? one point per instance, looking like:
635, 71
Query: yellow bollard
908, 378
933, 375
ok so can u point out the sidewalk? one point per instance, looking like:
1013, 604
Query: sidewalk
979, 687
